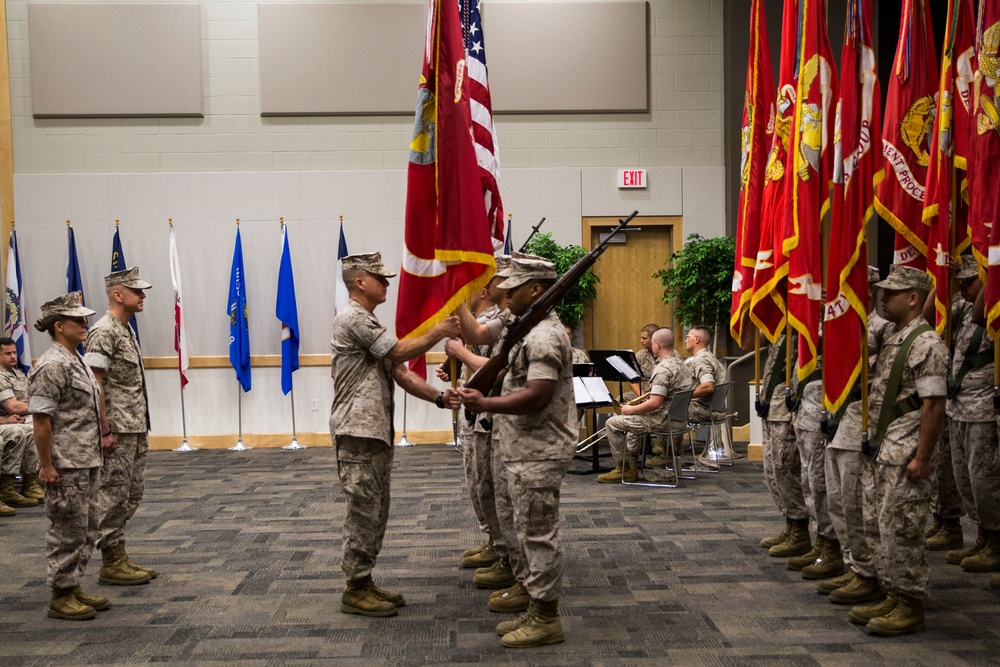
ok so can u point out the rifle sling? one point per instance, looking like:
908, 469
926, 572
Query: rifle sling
890, 410
972, 360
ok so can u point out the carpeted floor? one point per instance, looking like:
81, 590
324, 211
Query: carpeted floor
249, 550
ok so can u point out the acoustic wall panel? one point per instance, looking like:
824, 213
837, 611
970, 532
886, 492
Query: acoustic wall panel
115, 60
365, 57
334, 58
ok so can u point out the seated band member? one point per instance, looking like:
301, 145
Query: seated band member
647, 360
625, 431
707, 372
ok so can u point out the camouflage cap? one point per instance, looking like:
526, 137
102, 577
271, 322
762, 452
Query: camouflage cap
370, 262
126, 278
905, 278
67, 305
873, 276
969, 268
524, 267
503, 266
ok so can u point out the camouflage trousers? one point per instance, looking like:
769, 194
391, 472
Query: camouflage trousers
812, 454
783, 470
469, 467
843, 488
123, 483
896, 511
626, 433
946, 501
505, 514
483, 488
12, 443
533, 489
976, 458
29, 460
73, 515
365, 469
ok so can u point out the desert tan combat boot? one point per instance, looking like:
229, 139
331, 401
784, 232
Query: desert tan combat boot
956, 556
475, 550
830, 585
797, 542
64, 605
775, 540
483, 558
860, 589
360, 598
510, 599
861, 615
541, 628
153, 574
30, 488
995, 581
10, 496
949, 537
988, 558
506, 627
6, 510
935, 526
389, 596
906, 617
499, 575
115, 570
830, 562
98, 603
615, 476
798, 562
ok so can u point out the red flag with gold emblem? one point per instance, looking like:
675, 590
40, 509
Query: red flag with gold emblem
984, 173
758, 127
808, 199
767, 304
906, 133
943, 219
449, 251
856, 160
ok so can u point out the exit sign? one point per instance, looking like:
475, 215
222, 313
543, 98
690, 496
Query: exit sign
631, 178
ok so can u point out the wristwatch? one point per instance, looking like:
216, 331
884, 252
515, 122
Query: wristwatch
439, 400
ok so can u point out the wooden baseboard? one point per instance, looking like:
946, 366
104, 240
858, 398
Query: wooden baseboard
755, 452
278, 440
741, 433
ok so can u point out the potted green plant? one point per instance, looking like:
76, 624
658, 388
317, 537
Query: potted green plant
698, 282
570, 310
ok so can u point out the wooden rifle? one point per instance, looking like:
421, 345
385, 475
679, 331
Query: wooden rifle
484, 378
534, 230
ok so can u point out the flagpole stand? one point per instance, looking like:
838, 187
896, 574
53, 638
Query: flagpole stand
294, 444
403, 441
185, 447
239, 446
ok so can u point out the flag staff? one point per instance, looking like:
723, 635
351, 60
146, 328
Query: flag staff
185, 446
403, 440
294, 444
239, 446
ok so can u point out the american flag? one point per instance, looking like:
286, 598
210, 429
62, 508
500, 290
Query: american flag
483, 131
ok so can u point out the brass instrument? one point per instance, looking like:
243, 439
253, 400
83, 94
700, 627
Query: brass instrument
596, 437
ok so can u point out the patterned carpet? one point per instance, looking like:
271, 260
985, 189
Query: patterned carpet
249, 549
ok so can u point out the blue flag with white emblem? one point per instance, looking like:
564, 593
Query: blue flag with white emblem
239, 329
288, 313
118, 264
73, 281
14, 325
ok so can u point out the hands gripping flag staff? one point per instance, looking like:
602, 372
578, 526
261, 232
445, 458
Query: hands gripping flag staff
180, 337
239, 331
13, 318
287, 312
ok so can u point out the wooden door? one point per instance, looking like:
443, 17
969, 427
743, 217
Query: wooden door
628, 297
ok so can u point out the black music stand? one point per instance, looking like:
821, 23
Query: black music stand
619, 366
590, 396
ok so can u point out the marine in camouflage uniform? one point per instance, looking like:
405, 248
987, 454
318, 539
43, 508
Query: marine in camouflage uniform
782, 465
14, 404
626, 431
366, 362
13, 441
897, 488
844, 469
113, 354
972, 425
63, 395
647, 360
536, 444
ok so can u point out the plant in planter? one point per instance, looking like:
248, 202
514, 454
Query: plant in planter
698, 282
570, 310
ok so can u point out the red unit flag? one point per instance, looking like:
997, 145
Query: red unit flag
758, 128
984, 174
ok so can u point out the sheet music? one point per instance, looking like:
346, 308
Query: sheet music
622, 367
591, 390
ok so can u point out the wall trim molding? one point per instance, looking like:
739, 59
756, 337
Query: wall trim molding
278, 440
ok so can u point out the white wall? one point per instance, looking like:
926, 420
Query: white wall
233, 163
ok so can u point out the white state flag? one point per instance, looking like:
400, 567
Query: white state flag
180, 337
14, 324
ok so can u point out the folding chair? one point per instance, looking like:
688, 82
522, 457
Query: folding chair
719, 419
677, 425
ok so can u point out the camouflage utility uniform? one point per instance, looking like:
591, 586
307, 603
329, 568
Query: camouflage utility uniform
704, 367
14, 384
782, 466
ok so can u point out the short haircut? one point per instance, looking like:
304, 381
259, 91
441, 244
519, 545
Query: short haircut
7, 340
664, 337
650, 329
350, 275
704, 333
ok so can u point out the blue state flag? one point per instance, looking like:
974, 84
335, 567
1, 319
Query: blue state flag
287, 312
341, 295
73, 281
508, 246
14, 325
239, 330
118, 264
